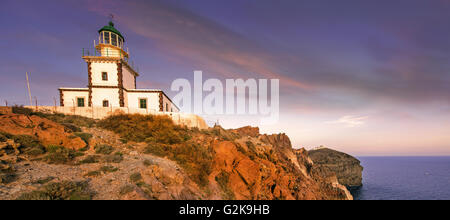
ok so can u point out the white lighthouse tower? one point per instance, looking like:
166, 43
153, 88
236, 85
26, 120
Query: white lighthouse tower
112, 79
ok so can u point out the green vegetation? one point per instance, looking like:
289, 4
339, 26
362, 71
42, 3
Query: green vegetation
84, 136
103, 149
135, 177
44, 180
223, 179
28, 145
108, 169
115, 158
71, 122
90, 159
65, 190
196, 159
165, 139
94, 173
126, 189
148, 128
148, 163
7, 172
21, 110
59, 155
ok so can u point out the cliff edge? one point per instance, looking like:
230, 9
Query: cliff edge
328, 162
55, 156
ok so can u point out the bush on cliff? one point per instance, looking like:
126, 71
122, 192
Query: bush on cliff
148, 128
84, 136
59, 155
196, 159
65, 190
29, 145
164, 139
21, 110
103, 149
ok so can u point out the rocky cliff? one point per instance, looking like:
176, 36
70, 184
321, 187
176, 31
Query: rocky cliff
329, 163
148, 157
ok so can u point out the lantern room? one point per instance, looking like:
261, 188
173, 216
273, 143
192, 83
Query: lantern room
111, 42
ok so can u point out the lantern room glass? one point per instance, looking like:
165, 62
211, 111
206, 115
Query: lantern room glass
107, 37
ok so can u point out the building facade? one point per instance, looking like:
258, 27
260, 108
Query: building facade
112, 80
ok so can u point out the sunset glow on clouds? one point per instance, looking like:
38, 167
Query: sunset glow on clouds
365, 78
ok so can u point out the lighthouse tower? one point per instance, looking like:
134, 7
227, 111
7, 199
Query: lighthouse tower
112, 80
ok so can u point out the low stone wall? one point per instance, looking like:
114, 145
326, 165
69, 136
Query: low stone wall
189, 120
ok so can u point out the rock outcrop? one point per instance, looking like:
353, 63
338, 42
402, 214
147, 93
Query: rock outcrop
329, 163
46, 131
214, 163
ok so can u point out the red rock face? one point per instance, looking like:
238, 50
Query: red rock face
278, 178
247, 131
48, 132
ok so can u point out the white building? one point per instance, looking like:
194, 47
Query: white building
112, 80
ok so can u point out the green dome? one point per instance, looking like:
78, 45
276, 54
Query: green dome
111, 28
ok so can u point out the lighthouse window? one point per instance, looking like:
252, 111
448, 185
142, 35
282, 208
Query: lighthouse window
80, 102
106, 37
104, 76
114, 39
143, 103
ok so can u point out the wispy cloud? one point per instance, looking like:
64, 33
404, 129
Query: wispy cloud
350, 121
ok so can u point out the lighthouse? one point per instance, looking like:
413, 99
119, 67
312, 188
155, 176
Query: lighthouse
112, 79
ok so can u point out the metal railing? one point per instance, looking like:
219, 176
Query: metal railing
109, 53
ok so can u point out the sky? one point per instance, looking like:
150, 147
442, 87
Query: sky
365, 77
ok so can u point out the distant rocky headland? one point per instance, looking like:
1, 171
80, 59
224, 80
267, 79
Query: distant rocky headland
135, 157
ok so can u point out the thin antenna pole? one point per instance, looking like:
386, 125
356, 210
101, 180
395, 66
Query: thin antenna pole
29, 91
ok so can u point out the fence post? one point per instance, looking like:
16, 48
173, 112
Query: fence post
36, 103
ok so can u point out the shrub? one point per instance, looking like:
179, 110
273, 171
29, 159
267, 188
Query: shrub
59, 155
126, 189
7, 172
90, 159
93, 173
103, 149
65, 190
3, 137
115, 158
84, 136
108, 169
135, 177
7, 177
29, 145
71, 122
71, 127
21, 110
223, 179
44, 180
194, 158
148, 163
149, 128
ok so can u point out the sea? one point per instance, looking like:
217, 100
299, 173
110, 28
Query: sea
404, 178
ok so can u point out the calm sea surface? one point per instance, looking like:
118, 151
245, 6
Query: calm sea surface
404, 178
